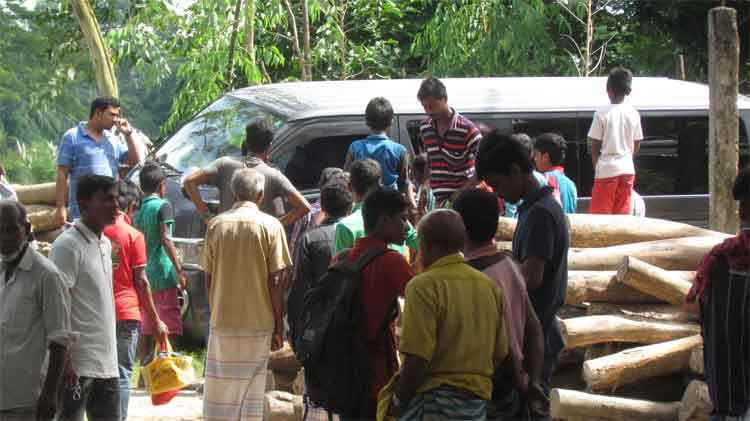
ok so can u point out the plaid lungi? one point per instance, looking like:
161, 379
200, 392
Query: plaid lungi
236, 374
444, 404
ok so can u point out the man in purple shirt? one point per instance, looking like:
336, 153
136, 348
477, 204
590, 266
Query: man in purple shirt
92, 148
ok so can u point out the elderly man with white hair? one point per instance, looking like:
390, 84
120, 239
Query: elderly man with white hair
244, 255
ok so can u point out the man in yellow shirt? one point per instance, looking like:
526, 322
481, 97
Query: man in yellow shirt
244, 255
453, 331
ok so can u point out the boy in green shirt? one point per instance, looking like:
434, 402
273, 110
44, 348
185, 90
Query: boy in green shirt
364, 177
155, 219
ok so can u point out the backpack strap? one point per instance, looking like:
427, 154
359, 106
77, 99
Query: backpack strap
482, 263
368, 256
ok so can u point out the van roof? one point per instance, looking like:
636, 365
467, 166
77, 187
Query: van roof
303, 100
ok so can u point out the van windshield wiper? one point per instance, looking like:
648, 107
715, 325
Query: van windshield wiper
171, 169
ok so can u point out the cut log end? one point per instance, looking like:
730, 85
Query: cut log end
571, 404
639, 363
696, 402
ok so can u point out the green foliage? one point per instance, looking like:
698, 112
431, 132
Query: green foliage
492, 38
172, 63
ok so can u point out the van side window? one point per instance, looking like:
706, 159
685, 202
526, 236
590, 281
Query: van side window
412, 127
309, 160
673, 159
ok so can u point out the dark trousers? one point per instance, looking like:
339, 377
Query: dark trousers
99, 399
368, 412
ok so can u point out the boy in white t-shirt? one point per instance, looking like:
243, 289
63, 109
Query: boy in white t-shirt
615, 136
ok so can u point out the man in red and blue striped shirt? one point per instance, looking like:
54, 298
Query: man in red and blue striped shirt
450, 140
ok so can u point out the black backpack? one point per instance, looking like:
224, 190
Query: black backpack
329, 342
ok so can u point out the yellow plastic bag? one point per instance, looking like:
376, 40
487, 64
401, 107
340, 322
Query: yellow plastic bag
167, 371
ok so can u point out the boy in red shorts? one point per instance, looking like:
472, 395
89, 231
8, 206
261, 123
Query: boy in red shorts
615, 136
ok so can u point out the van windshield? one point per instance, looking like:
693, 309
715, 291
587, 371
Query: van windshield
217, 131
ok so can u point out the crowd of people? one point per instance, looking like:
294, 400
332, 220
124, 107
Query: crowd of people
477, 337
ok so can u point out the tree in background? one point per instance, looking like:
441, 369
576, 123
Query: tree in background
101, 59
172, 62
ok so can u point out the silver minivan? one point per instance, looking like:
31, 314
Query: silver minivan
316, 122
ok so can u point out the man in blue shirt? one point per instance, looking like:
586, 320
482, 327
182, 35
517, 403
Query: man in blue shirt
92, 148
392, 156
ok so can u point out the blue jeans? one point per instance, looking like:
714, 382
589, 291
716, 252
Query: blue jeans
127, 345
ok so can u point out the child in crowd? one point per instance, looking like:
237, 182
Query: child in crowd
549, 154
155, 219
424, 200
615, 136
511, 209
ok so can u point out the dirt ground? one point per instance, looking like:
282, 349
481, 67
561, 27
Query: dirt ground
188, 405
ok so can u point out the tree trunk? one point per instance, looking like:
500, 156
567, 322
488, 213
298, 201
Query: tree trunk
283, 406
640, 363
589, 330
589, 38
601, 286
611, 230
283, 359
307, 54
572, 404
36, 194
696, 363
649, 312
696, 402
42, 217
602, 350
343, 50
295, 39
232, 40
101, 59
723, 65
250, 39
653, 280
676, 254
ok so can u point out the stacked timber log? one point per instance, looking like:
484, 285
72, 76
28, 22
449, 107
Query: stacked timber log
629, 277
39, 200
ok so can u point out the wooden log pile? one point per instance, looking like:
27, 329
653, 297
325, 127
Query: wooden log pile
630, 276
39, 200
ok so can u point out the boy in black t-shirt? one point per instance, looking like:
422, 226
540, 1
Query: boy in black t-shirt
542, 237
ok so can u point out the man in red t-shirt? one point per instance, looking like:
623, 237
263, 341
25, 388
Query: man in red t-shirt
385, 214
130, 286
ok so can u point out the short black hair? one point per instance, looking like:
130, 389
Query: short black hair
420, 163
480, 211
364, 175
383, 201
258, 136
335, 199
331, 174
21, 214
91, 184
379, 114
150, 177
498, 151
433, 88
741, 187
127, 193
553, 145
620, 81
102, 103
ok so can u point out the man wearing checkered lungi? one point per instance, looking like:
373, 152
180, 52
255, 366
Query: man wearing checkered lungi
244, 255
